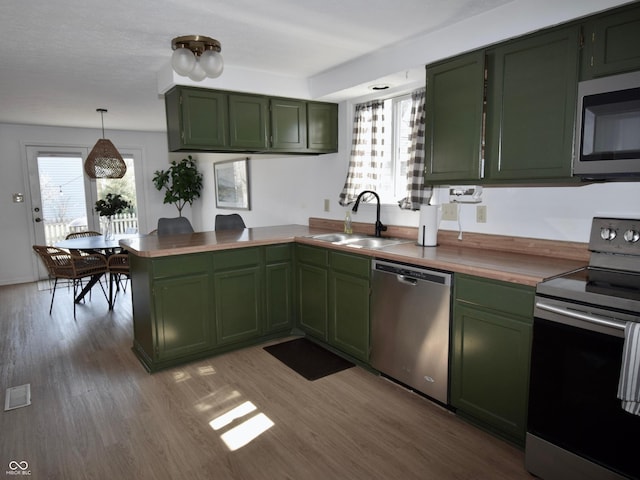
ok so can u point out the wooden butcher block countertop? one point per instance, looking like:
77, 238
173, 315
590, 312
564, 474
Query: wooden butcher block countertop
513, 259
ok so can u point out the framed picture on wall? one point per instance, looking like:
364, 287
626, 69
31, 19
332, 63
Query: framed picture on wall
232, 184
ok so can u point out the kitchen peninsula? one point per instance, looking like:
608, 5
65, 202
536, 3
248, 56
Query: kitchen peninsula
200, 294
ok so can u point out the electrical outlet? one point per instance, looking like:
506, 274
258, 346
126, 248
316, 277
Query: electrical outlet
326, 205
449, 211
481, 214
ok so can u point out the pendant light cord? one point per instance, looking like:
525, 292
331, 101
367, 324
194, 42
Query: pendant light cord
102, 112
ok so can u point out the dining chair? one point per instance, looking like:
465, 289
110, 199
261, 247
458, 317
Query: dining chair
173, 226
86, 233
61, 264
119, 273
232, 221
83, 234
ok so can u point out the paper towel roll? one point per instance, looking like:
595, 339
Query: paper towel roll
428, 226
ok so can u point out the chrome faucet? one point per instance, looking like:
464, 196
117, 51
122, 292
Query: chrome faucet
379, 226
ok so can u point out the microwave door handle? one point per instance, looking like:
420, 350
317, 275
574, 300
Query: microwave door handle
586, 317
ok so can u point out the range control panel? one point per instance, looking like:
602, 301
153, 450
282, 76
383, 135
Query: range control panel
615, 235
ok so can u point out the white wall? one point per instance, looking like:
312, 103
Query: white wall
291, 189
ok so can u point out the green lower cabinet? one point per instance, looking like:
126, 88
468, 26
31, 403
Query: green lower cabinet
313, 300
238, 294
491, 344
278, 288
349, 327
192, 306
183, 327
238, 303
333, 298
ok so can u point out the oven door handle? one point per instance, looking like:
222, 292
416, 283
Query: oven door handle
586, 317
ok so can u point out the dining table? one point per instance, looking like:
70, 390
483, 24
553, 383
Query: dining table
96, 244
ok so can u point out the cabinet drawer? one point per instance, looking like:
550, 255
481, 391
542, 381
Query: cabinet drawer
351, 264
181, 265
313, 255
234, 258
278, 253
501, 296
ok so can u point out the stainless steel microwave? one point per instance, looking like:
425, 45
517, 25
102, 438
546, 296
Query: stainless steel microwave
608, 128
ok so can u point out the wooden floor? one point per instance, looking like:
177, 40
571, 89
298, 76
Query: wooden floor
96, 413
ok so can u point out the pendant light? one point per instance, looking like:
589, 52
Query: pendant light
104, 160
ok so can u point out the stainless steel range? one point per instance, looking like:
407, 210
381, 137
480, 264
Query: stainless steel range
577, 428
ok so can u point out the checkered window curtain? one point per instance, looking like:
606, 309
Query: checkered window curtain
367, 151
417, 193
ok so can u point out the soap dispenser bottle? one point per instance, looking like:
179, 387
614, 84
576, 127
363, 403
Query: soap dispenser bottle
347, 223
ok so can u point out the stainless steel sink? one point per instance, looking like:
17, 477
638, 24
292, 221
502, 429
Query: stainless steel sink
338, 237
376, 242
359, 241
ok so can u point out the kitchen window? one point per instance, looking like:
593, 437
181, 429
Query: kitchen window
388, 151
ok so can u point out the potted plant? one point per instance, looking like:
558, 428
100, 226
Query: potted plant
109, 206
182, 183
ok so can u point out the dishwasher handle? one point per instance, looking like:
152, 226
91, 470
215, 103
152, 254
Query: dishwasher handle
407, 280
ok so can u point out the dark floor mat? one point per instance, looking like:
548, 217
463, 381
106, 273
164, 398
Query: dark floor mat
308, 359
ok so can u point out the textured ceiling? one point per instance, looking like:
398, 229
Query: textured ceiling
61, 60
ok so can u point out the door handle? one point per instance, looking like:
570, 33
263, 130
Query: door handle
37, 219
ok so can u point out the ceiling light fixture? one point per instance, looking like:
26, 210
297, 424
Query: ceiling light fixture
104, 160
197, 57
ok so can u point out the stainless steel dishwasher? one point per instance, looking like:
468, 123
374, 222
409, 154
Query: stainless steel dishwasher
410, 311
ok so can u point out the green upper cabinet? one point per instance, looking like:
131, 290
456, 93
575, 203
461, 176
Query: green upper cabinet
531, 103
453, 122
288, 125
197, 119
248, 122
612, 43
200, 119
505, 114
322, 127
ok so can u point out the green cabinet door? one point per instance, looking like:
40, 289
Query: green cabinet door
612, 43
349, 294
312, 287
288, 125
491, 345
278, 288
322, 127
197, 119
531, 103
182, 316
248, 122
453, 119
238, 294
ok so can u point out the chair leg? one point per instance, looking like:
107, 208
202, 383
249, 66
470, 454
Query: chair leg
53, 294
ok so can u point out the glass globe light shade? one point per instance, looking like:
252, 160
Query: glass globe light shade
212, 63
183, 61
197, 74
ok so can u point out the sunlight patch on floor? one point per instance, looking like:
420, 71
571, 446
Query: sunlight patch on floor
247, 431
227, 418
243, 433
